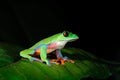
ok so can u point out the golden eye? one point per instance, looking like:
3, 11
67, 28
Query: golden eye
66, 33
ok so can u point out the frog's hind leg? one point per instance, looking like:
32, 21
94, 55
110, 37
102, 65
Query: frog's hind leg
27, 54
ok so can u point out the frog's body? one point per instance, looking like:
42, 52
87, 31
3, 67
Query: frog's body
48, 45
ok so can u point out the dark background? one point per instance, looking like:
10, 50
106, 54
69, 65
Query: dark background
97, 24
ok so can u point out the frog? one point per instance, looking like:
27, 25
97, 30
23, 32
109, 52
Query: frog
48, 45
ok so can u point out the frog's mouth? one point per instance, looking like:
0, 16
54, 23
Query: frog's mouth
73, 40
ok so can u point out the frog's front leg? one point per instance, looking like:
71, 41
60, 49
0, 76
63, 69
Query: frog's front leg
43, 54
61, 58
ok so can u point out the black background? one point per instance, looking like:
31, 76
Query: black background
96, 23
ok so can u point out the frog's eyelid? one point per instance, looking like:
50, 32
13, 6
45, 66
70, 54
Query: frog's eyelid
65, 33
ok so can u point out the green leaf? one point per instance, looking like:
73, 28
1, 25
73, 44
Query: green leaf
9, 53
86, 65
25, 69
4, 58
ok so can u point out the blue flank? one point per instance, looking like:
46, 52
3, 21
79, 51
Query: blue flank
40, 46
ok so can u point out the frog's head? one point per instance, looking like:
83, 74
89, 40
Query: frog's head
67, 36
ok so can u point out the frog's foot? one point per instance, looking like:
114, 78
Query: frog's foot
65, 59
36, 59
54, 61
62, 60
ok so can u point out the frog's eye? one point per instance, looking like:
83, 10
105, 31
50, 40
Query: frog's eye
66, 33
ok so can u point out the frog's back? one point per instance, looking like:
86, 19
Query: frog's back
45, 41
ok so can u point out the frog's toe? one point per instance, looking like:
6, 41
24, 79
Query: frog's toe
72, 61
54, 61
66, 59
